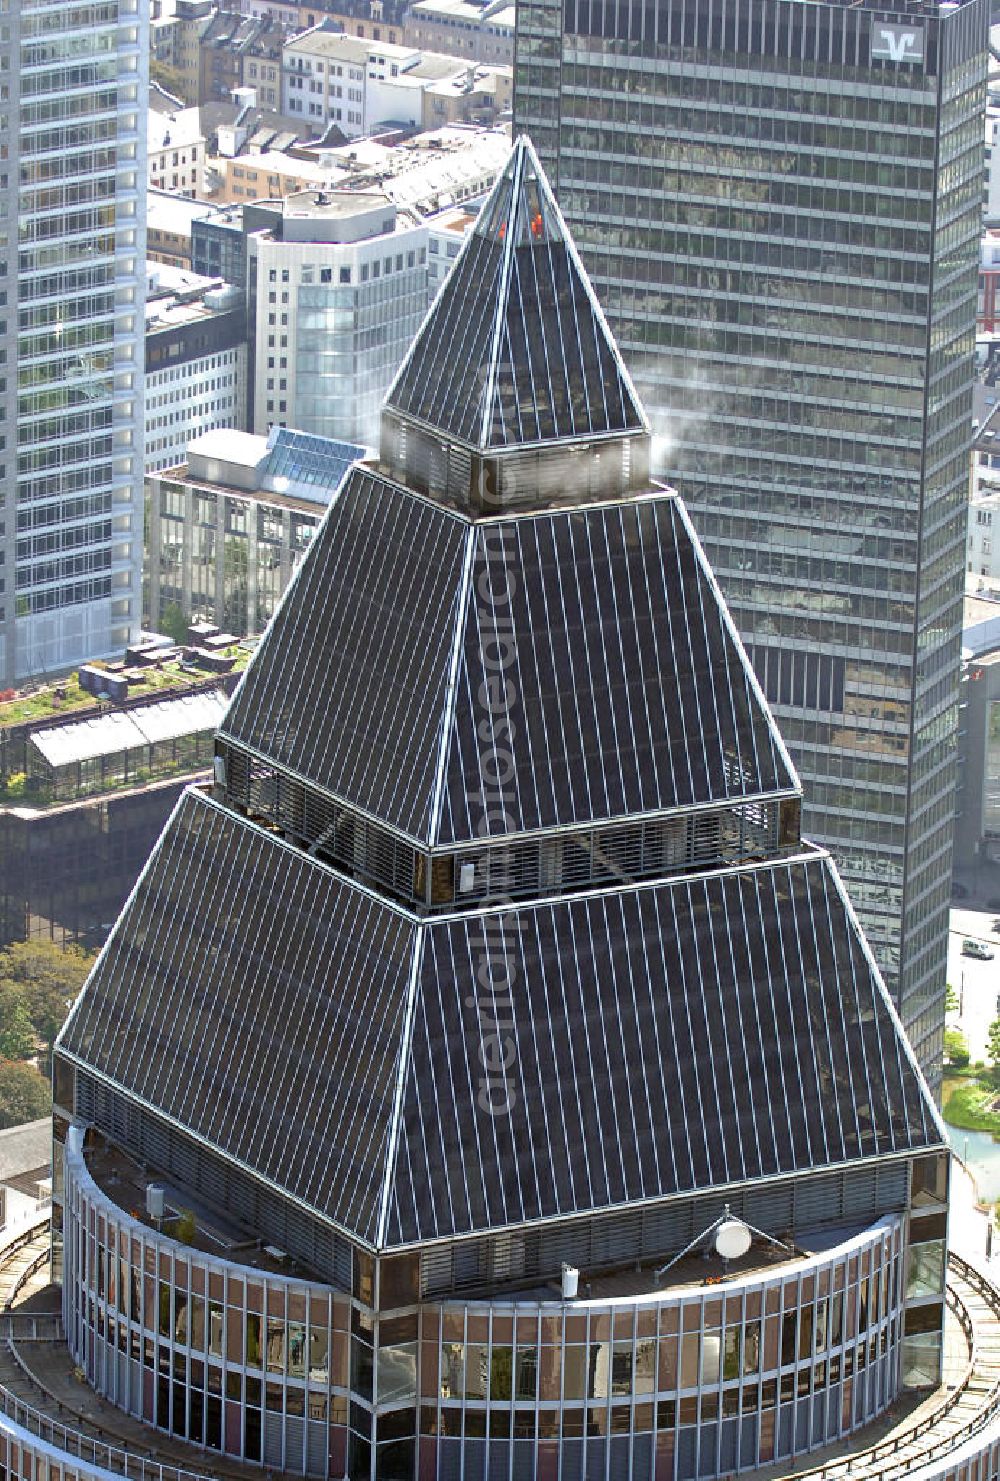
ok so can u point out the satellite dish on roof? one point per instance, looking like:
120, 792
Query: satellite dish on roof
732, 1239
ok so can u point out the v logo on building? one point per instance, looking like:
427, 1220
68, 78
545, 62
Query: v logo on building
895, 44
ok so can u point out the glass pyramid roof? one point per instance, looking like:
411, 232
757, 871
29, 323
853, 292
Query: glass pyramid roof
666, 1039
248, 995
691, 1032
661, 1041
633, 694
515, 350
348, 688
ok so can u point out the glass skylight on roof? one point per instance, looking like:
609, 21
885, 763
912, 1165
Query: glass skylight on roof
304, 464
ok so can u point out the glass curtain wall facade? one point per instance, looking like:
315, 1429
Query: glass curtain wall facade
72, 178
331, 321
780, 207
350, 340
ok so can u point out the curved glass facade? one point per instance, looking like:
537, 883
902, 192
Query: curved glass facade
692, 1381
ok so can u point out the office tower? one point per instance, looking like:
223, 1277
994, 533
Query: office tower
495, 949
337, 290
780, 205
72, 121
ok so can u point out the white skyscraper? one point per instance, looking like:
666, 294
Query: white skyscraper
72, 182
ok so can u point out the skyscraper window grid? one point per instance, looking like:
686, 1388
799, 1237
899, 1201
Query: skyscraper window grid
74, 79
780, 208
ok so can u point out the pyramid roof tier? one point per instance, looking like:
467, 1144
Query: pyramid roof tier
515, 350
656, 1040
625, 688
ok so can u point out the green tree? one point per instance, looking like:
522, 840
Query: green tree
956, 1048
950, 999
17, 1034
46, 978
24, 1093
173, 623
993, 1044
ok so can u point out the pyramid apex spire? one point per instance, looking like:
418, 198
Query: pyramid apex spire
515, 351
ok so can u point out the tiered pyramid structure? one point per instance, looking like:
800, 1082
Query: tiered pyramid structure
498, 913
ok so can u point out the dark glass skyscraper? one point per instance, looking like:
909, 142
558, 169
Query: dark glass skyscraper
780, 206
495, 949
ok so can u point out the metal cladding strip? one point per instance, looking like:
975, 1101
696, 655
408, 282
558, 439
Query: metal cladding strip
461, 611
402, 1071
516, 169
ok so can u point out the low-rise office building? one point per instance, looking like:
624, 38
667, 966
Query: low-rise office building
982, 560
225, 530
219, 244
325, 75
332, 78
238, 51
374, 20
169, 224
445, 234
266, 175
196, 361
478, 94
337, 278
436, 170
178, 41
